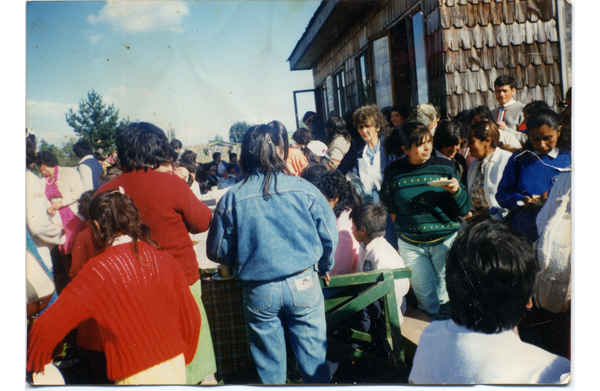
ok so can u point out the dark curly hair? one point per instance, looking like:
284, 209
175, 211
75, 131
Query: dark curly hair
334, 184
142, 145
48, 158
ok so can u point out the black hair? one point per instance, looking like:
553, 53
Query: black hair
176, 144
215, 155
98, 156
260, 155
411, 132
372, 218
232, 155
484, 129
308, 115
313, 172
504, 80
534, 106
302, 136
549, 118
402, 110
30, 150
447, 134
284, 136
490, 276
189, 155
116, 215
142, 145
83, 204
82, 148
190, 165
46, 157
230, 166
336, 126
483, 112
171, 154
334, 184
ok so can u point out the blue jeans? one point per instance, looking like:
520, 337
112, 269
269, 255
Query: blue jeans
297, 303
428, 281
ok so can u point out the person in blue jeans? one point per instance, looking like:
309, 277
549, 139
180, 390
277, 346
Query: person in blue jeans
278, 234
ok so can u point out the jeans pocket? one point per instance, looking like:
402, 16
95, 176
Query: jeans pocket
305, 289
258, 296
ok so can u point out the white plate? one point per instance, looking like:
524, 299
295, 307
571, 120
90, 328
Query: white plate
440, 182
51, 376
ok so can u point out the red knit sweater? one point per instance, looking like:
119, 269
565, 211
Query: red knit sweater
169, 207
147, 314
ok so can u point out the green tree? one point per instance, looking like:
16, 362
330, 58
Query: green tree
65, 155
237, 131
217, 138
96, 122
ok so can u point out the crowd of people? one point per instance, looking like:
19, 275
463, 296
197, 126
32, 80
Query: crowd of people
477, 206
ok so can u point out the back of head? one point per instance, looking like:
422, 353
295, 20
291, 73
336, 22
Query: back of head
30, 149
504, 80
372, 218
534, 106
189, 155
176, 144
447, 134
429, 110
277, 125
302, 136
82, 148
490, 276
114, 214
419, 116
190, 165
333, 184
313, 173
84, 204
261, 146
98, 156
142, 145
336, 126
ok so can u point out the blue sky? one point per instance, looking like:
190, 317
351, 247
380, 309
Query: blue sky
194, 66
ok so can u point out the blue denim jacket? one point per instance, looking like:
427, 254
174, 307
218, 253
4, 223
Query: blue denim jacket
267, 238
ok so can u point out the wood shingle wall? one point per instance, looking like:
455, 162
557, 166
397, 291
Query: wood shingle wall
471, 42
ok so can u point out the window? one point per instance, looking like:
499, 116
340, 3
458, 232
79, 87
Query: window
381, 72
363, 79
420, 67
340, 93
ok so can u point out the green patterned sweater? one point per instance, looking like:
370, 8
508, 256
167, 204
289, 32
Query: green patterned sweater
425, 215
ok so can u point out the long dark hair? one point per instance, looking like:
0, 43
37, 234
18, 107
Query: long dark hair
116, 214
260, 154
336, 126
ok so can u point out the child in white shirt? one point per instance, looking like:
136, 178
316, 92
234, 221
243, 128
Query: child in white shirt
375, 253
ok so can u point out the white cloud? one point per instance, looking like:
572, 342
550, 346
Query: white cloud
45, 109
94, 39
141, 16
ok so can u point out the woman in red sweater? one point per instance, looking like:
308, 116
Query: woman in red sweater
171, 210
148, 318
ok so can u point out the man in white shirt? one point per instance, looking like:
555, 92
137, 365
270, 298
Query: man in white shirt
509, 113
490, 278
89, 168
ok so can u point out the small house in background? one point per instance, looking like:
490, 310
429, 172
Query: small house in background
224, 147
445, 52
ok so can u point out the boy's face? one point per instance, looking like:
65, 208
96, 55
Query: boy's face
504, 94
359, 234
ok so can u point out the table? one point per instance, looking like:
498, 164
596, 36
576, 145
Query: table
223, 302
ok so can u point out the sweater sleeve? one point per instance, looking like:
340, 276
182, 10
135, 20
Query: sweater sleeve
190, 318
52, 326
327, 230
195, 214
507, 194
461, 200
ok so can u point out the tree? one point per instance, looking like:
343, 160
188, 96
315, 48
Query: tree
65, 155
237, 131
217, 138
96, 122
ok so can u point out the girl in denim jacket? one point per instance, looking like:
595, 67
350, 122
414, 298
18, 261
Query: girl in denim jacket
278, 234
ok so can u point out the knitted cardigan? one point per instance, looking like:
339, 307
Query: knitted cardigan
147, 314
425, 215
171, 209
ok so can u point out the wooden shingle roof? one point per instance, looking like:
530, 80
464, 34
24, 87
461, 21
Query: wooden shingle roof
478, 40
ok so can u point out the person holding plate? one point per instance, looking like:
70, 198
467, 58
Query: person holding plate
424, 198
531, 171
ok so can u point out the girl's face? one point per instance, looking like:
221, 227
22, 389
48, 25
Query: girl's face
396, 119
479, 149
420, 154
369, 132
450, 151
165, 167
544, 139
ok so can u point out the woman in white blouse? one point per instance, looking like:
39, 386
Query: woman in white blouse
485, 171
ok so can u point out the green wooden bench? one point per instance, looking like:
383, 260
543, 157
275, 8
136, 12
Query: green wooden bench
349, 293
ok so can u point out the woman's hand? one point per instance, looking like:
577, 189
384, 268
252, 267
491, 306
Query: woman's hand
326, 278
51, 211
453, 186
182, 173
57, 205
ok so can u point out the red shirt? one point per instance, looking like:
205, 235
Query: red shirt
147, 314
171, 209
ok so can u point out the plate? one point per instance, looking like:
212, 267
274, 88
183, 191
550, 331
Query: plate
440, 182
51, 376
219, 278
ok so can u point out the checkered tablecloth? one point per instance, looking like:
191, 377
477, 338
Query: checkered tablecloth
223, 303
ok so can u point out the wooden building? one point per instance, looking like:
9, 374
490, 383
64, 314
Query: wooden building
445, 52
